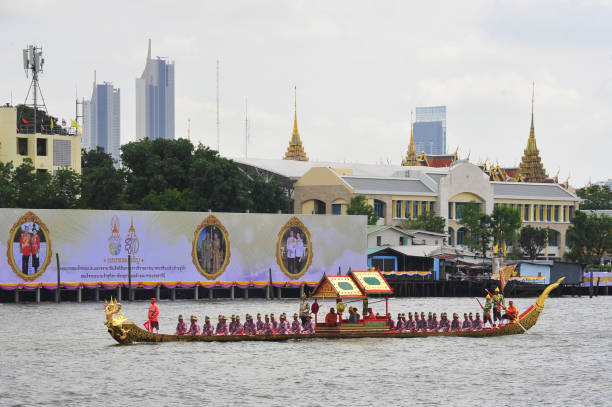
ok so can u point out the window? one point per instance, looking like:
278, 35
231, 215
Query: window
519, 207
22, 146
526, 213
41, 146
450, 210
403, 241
548, 213
378, 240
431, 206
415, 209
407, 209
571, 213
61, 153
461, 235
552, 238
379, 209
556, 213
398, 209
541, 219
336, 209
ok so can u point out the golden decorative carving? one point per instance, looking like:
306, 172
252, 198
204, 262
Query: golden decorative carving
294, 223
29, 217
211, 220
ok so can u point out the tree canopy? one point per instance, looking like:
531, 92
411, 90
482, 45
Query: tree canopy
595, 197
533, 241
476, 223
428, 221
359, 206
589, 237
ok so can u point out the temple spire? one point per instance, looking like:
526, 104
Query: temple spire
531, 168
295, 151
411, 155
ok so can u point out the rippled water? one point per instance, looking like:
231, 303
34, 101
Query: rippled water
62, 355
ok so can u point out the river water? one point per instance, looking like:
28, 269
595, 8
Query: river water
61, 354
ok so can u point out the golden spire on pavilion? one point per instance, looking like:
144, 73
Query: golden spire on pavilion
411, 155
295, 151
531, 168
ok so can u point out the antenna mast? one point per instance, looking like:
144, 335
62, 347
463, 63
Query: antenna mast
217, 105
33, 61
246, 128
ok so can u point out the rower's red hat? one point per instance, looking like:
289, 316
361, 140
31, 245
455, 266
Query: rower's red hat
153, 299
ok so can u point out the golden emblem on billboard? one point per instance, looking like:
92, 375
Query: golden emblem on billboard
294, 248
114, 240
211, 248
29, 247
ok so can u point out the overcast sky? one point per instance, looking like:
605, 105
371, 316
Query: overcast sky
359, 67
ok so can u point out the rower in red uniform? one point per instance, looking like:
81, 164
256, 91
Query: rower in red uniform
154, 315
181, 327
511, 312
331, 319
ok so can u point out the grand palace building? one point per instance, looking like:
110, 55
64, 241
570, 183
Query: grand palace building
442, 184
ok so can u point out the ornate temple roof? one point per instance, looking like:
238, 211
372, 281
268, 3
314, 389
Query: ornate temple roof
295, 150
411, 156
531, 168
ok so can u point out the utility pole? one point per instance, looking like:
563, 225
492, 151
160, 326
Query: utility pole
217, 105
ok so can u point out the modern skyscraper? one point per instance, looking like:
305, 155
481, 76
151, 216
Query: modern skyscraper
427, 135
102, 119
155, 99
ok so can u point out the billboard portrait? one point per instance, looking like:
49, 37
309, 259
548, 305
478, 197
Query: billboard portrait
29, 247
211, 250
294, 248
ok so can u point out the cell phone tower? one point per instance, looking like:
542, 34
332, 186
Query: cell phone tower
33, 62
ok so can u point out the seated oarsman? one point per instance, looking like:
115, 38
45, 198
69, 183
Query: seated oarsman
274, 322
207, 329
356, 312
181, 327
423, 326
238, 328
404, 323
444, 325
331, 319
308, 327
194, 328
511, 312
259, 325
296, 326
477, 323
429, 319
232, 325
371, 314
249, 326
283, 327
433, 324
471, 319
222, 326
399, 325
455, 323
390, 322
410, 325
467, 325
268, 328
417, 322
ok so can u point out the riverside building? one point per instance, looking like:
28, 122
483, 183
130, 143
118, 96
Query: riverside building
49, 147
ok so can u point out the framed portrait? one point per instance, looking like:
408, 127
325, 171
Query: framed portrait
29, 247
211, 248
294, 248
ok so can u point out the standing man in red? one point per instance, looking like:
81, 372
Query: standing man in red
25, 248
35, 248
154, 314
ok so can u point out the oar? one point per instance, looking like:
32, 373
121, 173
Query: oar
502, 305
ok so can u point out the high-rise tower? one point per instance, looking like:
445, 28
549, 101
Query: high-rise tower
102, 119
155, 99
531, 168
295, 151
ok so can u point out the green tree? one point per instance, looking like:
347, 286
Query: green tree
533, 241
42, 117
504, 224
31, 186
359, 206
7, 188
168, 200
270, 196
102, 183
589, 237
64, 190
476, 224
426, 221
595, 197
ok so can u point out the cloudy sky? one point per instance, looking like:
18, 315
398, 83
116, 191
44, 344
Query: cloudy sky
359, 67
